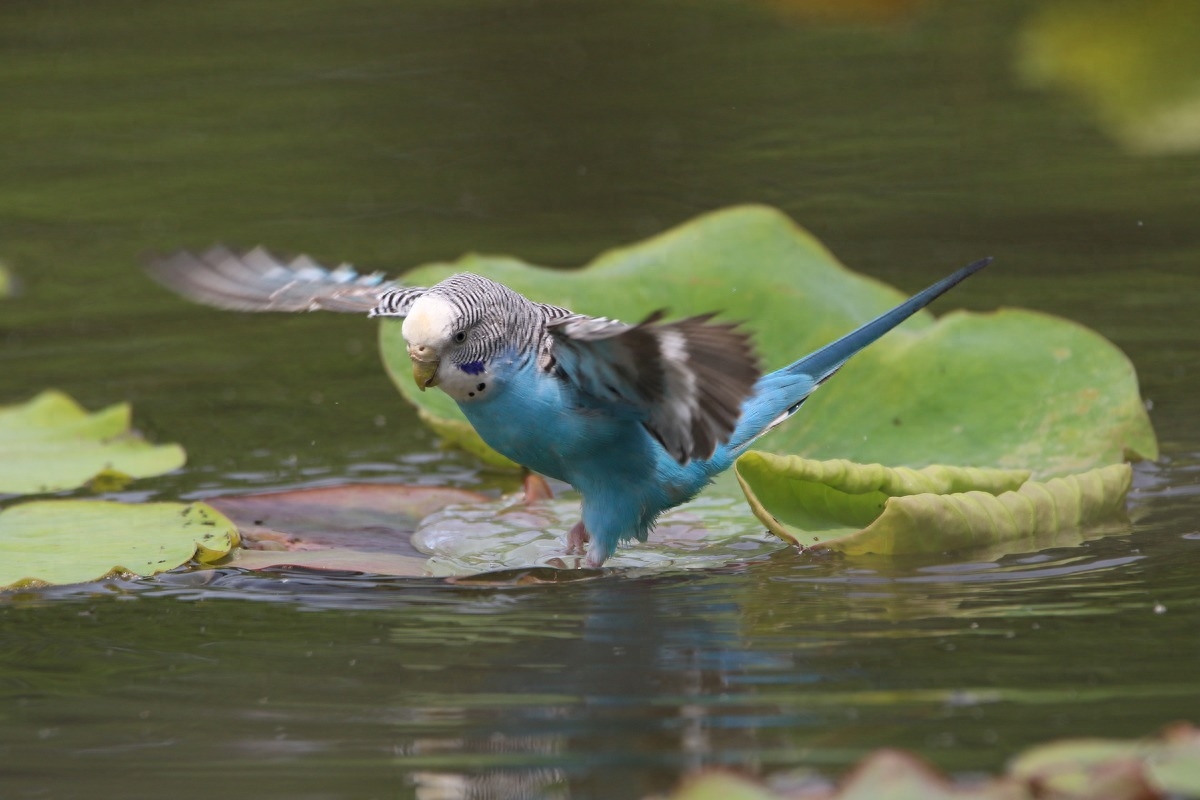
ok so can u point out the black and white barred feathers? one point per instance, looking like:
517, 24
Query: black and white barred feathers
687, 379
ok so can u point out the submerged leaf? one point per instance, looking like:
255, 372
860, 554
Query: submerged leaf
858, 509
51, 444
510, 535
340, 559
74, 541
356, 527
1013, 389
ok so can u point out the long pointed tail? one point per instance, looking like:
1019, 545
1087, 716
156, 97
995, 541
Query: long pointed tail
778, 395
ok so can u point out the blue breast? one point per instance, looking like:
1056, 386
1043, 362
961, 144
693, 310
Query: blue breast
542, 422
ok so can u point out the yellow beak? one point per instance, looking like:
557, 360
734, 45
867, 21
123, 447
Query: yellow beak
425, 373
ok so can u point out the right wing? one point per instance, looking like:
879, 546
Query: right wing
687, 378
258, 281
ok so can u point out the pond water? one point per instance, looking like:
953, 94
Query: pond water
909, 137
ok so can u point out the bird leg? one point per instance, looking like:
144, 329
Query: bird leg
577, 540
536, 489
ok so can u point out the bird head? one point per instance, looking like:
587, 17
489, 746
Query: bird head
454, 328
433, 327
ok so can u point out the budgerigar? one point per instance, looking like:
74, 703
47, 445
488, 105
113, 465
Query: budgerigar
637, 417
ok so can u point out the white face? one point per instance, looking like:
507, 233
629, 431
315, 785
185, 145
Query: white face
430, 323
434, 332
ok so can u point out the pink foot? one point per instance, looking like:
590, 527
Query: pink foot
536, 489
577, 540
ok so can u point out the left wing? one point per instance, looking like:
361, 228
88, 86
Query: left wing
687, 378
258, 281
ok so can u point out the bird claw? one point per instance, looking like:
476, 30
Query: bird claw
577, 540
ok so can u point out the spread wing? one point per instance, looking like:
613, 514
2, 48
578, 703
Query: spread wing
258, 281
687, 378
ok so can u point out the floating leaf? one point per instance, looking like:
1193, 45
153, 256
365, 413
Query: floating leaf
1136, 63
1087, 769
723, 786
51, 444
74, 541
858, 509
1084, 767
1013, 389
357, 527
8, 281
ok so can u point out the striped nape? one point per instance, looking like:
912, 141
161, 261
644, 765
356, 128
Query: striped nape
493, 317
397, 302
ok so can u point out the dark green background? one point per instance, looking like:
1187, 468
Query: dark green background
390, 134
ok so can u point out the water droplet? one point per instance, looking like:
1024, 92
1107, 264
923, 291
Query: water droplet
1159, 608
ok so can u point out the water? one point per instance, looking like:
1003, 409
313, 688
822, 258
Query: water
392, 135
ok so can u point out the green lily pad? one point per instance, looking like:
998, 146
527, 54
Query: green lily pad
858, 509
1011, 389
51, 443
75, 541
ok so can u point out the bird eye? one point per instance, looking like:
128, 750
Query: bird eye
460, 336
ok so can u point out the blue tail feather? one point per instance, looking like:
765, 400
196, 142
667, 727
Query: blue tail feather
779, 394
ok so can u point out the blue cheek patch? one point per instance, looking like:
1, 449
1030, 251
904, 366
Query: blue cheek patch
472, 367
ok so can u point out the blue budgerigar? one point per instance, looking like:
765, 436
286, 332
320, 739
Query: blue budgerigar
637, 417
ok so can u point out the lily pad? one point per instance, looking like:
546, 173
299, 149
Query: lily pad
8, 281
858, 509
1136, 64
51, 444
1086, 769
75, 541
414, 531
723, 786
357, 527
1012, 389
1080, 767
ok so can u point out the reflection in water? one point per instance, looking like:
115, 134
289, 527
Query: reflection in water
610, 687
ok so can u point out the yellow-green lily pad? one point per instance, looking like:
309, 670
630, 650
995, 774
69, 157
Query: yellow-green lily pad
1012, 389
1169, 764
1135, 63
75, 541
1081, 769
868, 508
8, 281
51, 444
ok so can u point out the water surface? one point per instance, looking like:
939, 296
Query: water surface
390, 135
